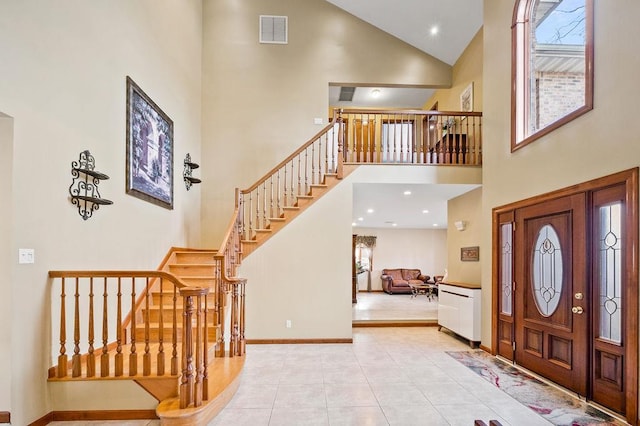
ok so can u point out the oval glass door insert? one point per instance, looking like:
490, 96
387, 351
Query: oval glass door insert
546, 270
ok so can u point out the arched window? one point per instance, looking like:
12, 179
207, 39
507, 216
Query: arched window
552, 66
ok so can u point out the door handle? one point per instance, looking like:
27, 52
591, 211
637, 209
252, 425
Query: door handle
577, 310
579, 296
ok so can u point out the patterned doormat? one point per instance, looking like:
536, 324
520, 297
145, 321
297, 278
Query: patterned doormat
554, 405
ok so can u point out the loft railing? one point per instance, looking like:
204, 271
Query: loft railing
168, 336
411, 137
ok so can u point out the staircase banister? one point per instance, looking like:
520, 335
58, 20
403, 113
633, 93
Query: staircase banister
230, 228
292, 156
347, 111
118, 273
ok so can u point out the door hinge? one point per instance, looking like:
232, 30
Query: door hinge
514, 345
513, 287
514, 226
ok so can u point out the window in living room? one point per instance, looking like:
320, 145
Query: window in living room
552, 66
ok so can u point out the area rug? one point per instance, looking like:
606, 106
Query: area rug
554, 405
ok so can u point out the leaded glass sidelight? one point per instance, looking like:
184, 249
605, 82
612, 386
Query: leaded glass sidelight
546, 270
610, 272
506, 267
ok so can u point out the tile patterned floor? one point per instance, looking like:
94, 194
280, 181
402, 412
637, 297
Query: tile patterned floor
379, 306
388, 376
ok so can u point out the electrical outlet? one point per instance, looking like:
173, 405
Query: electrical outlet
288, 323
26, 256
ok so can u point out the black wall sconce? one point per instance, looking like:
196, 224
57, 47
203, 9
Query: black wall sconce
189, 166
84, 185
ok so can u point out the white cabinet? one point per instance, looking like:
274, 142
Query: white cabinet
459, 310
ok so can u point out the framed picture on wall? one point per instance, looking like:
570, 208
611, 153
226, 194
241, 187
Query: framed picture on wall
470, 254
149, 149
466, 99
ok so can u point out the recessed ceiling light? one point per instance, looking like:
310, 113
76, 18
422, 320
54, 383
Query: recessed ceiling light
361, 219
369, 210
425, 211
434, 30
354, 224
394, 224
375, 93
407, 192
435, 224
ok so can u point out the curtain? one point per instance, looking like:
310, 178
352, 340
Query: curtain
368, 241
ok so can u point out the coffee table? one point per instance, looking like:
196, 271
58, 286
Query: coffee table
425, 288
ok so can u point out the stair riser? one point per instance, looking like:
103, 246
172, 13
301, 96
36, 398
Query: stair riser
167, 299
167, 314
154, 335
194, 257
192, 270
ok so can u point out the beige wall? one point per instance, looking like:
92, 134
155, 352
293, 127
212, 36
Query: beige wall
599, 143
6, 259
467, 69
424, 249
259, 100
467, 208
63, 81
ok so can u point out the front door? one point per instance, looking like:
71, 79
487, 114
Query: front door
551, 287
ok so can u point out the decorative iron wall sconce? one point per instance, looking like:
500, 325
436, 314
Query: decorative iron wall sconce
84, 185
188, 169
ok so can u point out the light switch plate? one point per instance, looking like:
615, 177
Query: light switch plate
317, 120
26, 256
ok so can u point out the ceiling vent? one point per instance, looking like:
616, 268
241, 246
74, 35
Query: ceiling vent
346, 94
274, 29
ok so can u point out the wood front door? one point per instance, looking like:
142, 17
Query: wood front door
565, 288
552, 332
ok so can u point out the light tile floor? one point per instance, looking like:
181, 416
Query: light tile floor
379, 306
388, 376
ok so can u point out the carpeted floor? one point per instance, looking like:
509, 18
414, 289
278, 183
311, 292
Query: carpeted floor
556, 406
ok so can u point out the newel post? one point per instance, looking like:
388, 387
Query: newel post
339, 168
192, 372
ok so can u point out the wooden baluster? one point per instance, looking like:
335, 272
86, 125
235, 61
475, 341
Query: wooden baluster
104, 358
220, 294
233, 321
299, 176
242, 318
271, 196
76, 366
313, 163
307, 188
161, 356
257, 217
326, 152
133, 356
479, 142
91, 360
319, 168
340, 157
292, 198
197, 387
174, 335
205, 354
62, 358
286, 195
186, 381
278, 206
250, 214
146, 358
263, 225
119, 359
